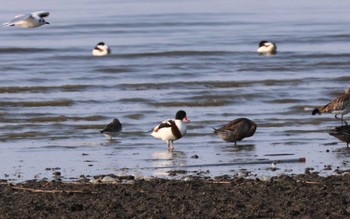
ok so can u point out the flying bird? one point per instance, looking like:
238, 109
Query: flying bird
113, 129
35, 19
236, 130
172, 129
338, 106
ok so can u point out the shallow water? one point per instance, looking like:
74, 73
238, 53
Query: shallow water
198, 56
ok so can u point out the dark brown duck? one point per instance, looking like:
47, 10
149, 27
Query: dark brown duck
236, 130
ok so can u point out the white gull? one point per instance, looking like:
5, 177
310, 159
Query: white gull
35, 19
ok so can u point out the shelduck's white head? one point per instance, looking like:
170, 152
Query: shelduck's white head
101, 49
266, 47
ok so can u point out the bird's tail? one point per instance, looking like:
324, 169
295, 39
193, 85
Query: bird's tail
149, 131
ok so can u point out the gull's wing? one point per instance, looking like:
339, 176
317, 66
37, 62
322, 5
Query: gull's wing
41, 13
18, 18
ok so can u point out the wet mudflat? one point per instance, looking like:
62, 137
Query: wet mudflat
305, 196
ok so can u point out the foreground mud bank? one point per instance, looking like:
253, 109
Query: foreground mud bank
306, 196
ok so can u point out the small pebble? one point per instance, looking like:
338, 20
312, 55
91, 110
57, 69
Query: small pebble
327, 167
95, 180
148, 178
187, 178
56, 173
128, 182
265, 179
108, 179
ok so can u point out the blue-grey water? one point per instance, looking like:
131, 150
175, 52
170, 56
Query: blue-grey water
199, 56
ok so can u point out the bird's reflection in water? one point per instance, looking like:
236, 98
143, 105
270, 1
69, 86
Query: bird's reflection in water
109, 141
239, 148
167, 159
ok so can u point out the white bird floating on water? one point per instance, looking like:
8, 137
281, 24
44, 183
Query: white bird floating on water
101, 49
35, 19
267, 48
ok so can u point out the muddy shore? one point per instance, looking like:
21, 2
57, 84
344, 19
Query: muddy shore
300, 196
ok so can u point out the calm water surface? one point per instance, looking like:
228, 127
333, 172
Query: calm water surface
198, 56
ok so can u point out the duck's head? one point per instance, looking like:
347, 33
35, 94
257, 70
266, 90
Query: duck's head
181, 115
101, 46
